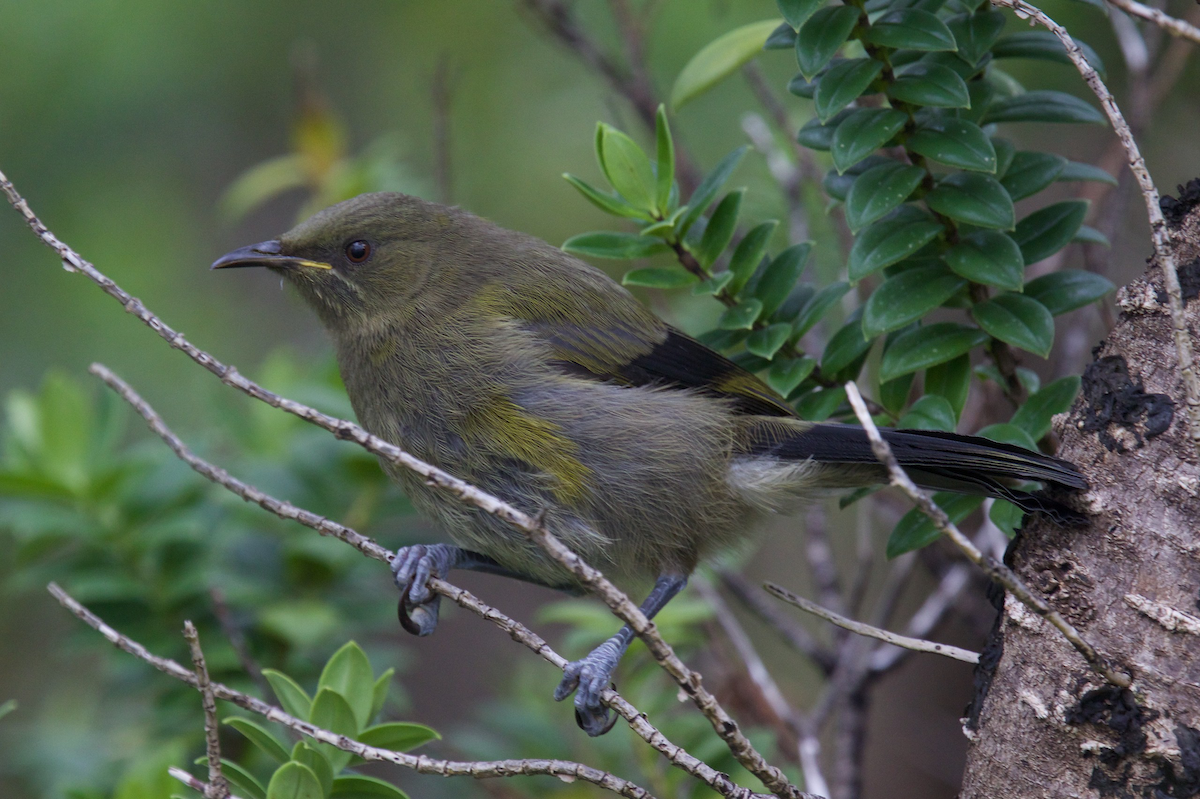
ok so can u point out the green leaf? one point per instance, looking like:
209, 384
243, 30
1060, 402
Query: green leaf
893, 394
1006, 433
294, 780
719, 59
766, 342
1049, 229
626, 167
1045, 46
1035, 415
837, 185
776, 281
306, 752
714, 285
820, 304
816, 135
1018, 320
720, 228
803, 88
879, 190
332, 712
708, 189
741, 316
245, 785
862, 132
260, 737
349, 674
930, 412
1089, 235
955, 142
915, 530
989, 257
931, 85
951, 380
973, 198
360, 786
665, 172
797, 12
788, 373
605, 244
1006, 516
399, 736
379, 691
659, 277
1043, 106
1005, 152
291, 696
782, 38
1030, 172
1067, 289
844, 83
910, 29
825, 31
908, 296
748, 254
609, 203
819, 404
928, 346
975, 33
845, 348
891, 239
1077, 171
261, 182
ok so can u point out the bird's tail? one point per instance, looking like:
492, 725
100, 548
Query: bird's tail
934, 459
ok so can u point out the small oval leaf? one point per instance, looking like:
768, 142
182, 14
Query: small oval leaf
821, 36
928, 346
659, 277
1018, 320
910, 29
879, 190
954, 142
931, 85
605, 244
1043, 106
862, 132
844, 83
989, 257
1049, 229
294, 780
1068, 289
973, 198
719, 59
891, 239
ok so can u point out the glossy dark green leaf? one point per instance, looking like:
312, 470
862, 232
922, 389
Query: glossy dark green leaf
1075, 170
719, 59
837, 184
930, 412
1043, 106
665, 161
802, 87
1030, 172
863, 132
782, 38
245, 785
1049, 229
709, 188
843, 83
975, 33
893, 394
659, 277
1006, 433
955, 142
741, 316
606, 244
891, 240
1006, 516
767, 341
1035, 415
1045, 46
1005, 152
294, 780
714, 285
909, 296
989, 257
399, 736
928, 346
1017, 320
786, 374
915, 530
721, 226
930, 85
876, 192
815, 309
360, 786
797, 12
609, 203
825, 31
780, 275
260, 737
910, 29
748, 254
951, 380
950, 61
819, 404
846, 347
1068, 289
973, 198
817, 135
1089, 235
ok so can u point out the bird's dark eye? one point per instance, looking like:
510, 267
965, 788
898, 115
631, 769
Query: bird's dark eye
358, 251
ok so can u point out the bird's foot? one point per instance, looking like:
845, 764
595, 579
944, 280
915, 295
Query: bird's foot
588, 678
412, 567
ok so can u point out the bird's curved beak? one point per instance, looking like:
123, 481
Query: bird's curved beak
265, 253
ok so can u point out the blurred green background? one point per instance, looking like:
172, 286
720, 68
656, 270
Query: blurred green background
124, 122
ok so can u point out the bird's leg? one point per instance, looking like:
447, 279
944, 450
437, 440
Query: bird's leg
591, 675
413, 566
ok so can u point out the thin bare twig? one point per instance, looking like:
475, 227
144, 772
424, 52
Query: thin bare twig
795, 634
994, 569
192, 782
1172, 25
915, 644
218, 787
637, 721
482, 769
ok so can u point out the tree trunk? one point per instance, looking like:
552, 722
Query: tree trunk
1047, 726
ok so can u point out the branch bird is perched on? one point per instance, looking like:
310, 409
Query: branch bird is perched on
522, 370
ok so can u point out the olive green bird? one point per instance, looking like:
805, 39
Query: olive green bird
525, 371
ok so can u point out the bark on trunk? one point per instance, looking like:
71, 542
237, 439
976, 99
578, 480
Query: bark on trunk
1047, 726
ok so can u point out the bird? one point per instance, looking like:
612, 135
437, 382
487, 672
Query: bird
533, 375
